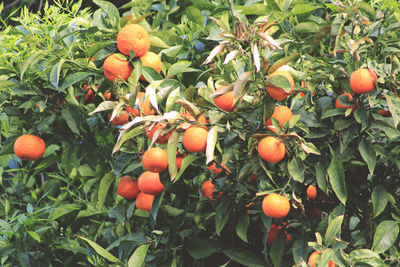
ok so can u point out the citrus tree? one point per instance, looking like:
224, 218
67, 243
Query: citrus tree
201, 133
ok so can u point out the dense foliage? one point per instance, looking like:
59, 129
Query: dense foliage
64, 208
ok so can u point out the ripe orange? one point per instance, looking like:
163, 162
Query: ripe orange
213, 167
128, 187
273, 233
143, 105
117, 67
385, 113
162, 139
277, 93
120, 119
312, 260
179, 159
149, 183
276, 206
152, 60
225, 101
282, 113
107, 95
155, 159
312, 192
338, 104
90, 97
207, 189
144, 201
133, 37
195, 139
363, 81
29, 147
271, 149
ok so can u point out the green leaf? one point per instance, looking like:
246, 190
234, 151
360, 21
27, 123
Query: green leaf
380, 198
73, 79
180, 67
296, 169
363, 254
172, 98
105, 183
282, 61
157, 42
4, 84
138, 257
222, 215
303, 8
72, 118
186, 162
320, 175
385, 235
337, 177
110, 10
62, 210
199, 248
172, 148
151, 74
244, 257
306, 27
32, 60
34, 235
333, 230
278, 248
242, 225
100, 250
195, 15
55, 73
212, 139
394, 107
368, 154
255, 9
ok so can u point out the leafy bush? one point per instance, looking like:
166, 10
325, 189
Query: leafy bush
64, 208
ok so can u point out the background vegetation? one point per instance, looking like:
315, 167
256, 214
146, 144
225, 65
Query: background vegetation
64, 209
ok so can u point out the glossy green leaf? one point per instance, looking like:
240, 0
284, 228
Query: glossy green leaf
296, 169
199, 248
337, 178
100, 250
103, 189
333, 230
139, 256
321, 176
180, 67
307, 27
368, 154
73, 78
385, 235
244, 257
242, 225
380, 198
34, 235
278, 248
195, 15
55, 73
111, 11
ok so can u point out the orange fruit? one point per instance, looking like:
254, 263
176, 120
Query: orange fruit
149, 183
277, 93
155, 159
117, 67
282, 114
363, 81
152, 60
144, 201
312, 192
276, 206
128, 188
162, 139
89, 97
338, 104
120, 119
385, 113
133, 37
271, 149
29, 147
107, 95
213, 167
195, 139
179, 159
225, 101
207, 189
273, 233
143, 105
312, 260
